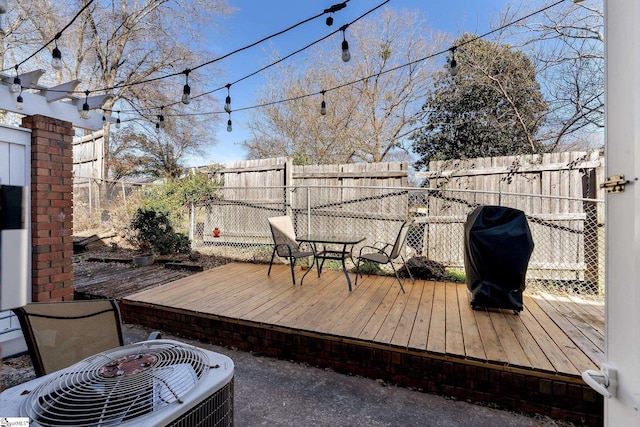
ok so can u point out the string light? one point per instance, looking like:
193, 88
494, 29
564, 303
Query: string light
118, 121
87, 4
186, 91
453, 64
323, 105
157, 127
229, 125
20, 101
17, 83
56, 55
227, 101
161, 118
85, 107
346, 56
514, 22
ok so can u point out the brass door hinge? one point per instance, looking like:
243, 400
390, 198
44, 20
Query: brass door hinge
614, 184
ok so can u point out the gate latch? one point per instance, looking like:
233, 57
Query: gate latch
604, 381
615, 184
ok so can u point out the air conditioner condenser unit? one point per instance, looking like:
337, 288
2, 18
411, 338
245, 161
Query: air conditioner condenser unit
150, 383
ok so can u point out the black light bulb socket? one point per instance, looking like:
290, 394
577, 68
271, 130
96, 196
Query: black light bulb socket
345, 45
329, 21
186, 90
56, 53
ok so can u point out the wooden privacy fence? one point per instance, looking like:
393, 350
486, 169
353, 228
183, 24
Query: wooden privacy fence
557, 191
254, 190
373, 199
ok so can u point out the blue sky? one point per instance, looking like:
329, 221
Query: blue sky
256, 19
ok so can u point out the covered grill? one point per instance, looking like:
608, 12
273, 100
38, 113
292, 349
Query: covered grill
497, 248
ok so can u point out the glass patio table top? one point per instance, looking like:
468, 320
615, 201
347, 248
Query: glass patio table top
340, 248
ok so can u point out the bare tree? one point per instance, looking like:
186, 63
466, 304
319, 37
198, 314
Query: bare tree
365, 121
117, 44
566, 45
138, 151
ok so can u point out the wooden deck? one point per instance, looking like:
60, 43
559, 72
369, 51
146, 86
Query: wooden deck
554, 338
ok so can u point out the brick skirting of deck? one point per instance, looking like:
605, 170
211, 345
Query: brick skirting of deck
528, 391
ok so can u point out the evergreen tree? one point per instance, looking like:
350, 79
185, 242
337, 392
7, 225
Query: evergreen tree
493, 106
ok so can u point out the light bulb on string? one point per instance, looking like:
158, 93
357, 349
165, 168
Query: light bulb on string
227, 101
323, 105
346, 56
118, 121
20, 101
186, 90
453, 64
17, 83
229, 125
56, 55
161, 118
85, 107
329, 21
157, 127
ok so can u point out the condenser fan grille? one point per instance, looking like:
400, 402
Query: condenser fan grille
118, 385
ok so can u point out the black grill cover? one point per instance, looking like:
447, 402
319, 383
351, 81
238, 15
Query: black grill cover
497, 248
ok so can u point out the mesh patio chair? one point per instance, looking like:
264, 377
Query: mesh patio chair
386, 254
59, 334
284, 243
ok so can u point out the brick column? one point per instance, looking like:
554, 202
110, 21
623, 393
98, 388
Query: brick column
51, 208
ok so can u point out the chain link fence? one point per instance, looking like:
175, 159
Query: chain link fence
100, 204
568, 232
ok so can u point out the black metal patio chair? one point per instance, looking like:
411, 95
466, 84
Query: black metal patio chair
285, 244
386, 254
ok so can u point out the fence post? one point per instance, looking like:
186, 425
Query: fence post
288, 186
90, 197
192, 222
124, 194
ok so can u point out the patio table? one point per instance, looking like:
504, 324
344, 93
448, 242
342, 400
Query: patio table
335, 246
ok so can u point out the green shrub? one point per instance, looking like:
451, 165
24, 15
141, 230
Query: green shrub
174, 197
154, 230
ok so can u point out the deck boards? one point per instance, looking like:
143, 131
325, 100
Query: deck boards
552, 334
